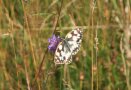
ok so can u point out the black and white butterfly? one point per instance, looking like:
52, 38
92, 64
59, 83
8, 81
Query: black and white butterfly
68, 47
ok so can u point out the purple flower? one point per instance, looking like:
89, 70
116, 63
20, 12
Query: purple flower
53, 43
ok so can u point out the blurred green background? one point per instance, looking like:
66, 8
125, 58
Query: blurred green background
103, 62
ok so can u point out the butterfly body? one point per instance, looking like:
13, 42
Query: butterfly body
68, 47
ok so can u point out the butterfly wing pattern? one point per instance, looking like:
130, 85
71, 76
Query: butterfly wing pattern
68, 47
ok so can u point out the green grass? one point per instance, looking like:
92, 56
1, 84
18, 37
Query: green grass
103, 62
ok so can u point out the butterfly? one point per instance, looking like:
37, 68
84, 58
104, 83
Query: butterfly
68, 47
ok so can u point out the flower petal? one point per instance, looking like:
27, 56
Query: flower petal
53, 42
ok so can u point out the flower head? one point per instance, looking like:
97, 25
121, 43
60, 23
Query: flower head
53, 43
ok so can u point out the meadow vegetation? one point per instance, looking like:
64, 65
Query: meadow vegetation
103, 62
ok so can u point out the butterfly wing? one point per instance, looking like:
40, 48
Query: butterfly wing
68, 47
74, 39
62, 54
